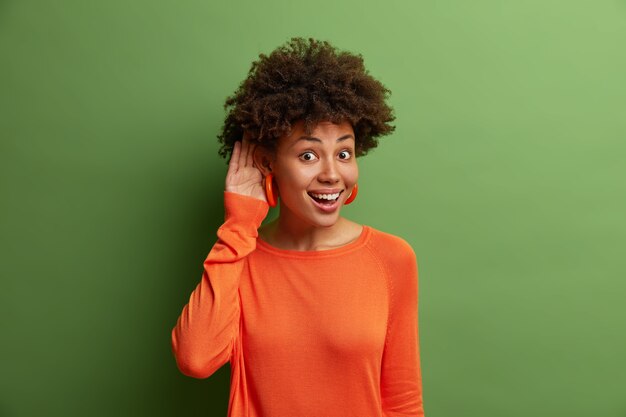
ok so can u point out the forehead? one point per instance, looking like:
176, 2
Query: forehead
325, 131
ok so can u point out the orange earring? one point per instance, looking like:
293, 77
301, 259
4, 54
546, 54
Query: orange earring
269, 190
352, 195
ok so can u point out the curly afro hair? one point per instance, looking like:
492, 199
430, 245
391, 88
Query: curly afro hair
309, 81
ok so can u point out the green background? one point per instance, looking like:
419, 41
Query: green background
505, 173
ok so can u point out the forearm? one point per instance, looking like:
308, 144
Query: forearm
208, 325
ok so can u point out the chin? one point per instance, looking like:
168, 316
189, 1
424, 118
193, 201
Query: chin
314, 214
326, 222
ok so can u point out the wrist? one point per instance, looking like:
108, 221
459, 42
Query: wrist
244, 209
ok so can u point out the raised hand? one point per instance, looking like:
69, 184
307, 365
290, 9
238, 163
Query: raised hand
243, 177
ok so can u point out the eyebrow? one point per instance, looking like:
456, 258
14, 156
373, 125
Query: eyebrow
314, 139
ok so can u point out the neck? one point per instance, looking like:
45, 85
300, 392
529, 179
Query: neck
290, 232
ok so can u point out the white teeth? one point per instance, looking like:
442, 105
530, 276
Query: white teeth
326, 196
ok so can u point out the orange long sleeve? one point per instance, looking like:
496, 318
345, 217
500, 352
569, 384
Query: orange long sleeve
202, 340
307, 333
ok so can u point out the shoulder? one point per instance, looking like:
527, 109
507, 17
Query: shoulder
394, 251
390, 245
400, 264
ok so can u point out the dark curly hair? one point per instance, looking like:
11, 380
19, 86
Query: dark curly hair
309, 81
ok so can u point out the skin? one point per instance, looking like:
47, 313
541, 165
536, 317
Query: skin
299, 166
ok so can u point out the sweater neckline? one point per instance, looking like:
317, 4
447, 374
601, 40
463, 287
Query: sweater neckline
340, 250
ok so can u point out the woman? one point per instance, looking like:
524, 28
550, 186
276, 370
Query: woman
316, 314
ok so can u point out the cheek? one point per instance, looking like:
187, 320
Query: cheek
351, 174
294, 180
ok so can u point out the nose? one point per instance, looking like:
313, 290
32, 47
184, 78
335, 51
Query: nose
329, 173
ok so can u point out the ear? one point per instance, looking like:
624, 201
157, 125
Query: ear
263, 159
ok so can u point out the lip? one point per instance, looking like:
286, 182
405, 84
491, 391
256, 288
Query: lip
326, 191
325, 207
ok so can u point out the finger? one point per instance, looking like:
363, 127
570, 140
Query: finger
248, 147
234, 158
243, 153
250, 160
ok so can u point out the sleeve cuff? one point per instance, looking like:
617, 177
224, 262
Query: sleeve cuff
242, 209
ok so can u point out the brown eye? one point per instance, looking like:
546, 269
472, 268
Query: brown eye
307, 156
345, 154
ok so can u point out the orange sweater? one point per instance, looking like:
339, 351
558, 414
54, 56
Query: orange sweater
331, 333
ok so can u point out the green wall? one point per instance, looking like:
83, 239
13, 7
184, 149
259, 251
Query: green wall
506, 174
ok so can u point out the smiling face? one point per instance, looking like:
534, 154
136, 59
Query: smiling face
315, 173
